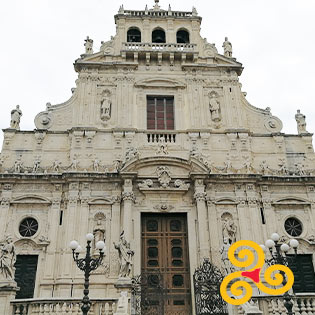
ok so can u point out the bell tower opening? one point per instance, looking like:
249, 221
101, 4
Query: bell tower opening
134, 35
158, 36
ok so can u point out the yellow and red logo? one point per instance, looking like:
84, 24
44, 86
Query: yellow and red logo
241, 291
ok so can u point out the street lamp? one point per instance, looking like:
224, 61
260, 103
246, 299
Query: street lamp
278, 256
87, 264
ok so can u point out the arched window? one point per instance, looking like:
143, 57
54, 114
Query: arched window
133, 35
158, 36
182, 37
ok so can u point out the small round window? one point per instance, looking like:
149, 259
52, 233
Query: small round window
293, 227
28, 227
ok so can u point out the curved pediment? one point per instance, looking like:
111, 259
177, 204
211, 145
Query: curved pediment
183, 166
27, 199
226, 201
291, 201
157, 82
102, 201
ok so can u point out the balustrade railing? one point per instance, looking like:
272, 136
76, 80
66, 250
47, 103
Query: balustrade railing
156, 137
303, 305
62, 306
159, 13
159, 47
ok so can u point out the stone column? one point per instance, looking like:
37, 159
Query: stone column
128, 198
4, 208
200, 197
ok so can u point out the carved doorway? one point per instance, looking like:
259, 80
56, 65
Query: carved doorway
25, 275
165, 251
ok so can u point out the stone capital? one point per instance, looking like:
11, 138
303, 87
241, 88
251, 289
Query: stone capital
200, 196
128, 196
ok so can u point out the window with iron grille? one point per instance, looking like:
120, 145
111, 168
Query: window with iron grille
160, 112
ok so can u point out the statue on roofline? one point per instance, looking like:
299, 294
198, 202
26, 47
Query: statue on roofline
16, 118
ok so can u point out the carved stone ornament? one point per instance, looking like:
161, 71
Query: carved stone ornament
163, 207
200, 196
108, 47
132, 154
162, 147
148, 183
164, 176
128, 196
273, 124
43, 120
180, 184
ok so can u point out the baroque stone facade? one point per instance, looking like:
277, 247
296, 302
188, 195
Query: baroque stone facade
93, 165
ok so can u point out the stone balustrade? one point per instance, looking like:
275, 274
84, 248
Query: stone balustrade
303, 305
61, 307
158, 47
159, 13
155, 137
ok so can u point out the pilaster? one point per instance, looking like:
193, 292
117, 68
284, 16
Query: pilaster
128, 198
200, 197
4, 207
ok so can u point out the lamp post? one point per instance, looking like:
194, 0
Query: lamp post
278, 256
87, 264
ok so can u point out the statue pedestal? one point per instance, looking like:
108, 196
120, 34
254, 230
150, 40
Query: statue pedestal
7, 294
124, 286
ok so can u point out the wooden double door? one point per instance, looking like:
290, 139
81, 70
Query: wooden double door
165, 251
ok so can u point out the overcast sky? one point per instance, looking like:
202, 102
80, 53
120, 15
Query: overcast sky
273, 39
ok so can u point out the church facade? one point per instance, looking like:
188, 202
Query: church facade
157, 150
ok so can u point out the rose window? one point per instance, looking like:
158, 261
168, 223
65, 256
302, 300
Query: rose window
28, 227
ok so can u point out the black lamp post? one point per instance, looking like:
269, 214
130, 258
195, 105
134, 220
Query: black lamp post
278, 256
87, 264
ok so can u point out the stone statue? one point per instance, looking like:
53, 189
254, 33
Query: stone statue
17, 166
125, 256
228, 163
99, 231
300, 169
96, 165
106, 105
56, 166
264, 167
228, 267
227, 48
16, 118
7, 259
214, 107
301, 123
88, 45
36, 165
74, 164
282, 167
229, 230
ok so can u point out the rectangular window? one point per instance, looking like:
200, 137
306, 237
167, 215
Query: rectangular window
303, 270
160, 112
